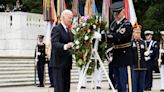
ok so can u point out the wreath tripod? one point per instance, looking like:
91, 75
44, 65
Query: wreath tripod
97, 58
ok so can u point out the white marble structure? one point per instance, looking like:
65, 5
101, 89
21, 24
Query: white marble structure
18, 33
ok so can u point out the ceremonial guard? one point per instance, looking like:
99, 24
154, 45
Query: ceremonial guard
97, 78
120, 37
40, 60
161, 60
150, 55
138, 47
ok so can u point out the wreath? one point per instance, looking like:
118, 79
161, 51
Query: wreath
83, 43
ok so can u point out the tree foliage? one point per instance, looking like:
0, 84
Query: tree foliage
149, 12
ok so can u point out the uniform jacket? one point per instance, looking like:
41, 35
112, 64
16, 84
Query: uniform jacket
122, 33
153, 50
162, 55
138, 48
40, 49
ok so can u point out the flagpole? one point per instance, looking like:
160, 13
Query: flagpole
58, 11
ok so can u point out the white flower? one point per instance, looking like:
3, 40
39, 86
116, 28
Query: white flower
89, 30
84, 24
77, 47
77, 29
86, 38
94, 26
77, 42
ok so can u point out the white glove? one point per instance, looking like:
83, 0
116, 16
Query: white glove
103, 32
159, 62
36, 59
161, 51
146, 53
97, 35
110, 59
38, 53
147, 58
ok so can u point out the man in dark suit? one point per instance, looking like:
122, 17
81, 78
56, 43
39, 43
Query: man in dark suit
61, 39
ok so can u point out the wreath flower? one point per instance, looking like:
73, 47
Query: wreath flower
83, 43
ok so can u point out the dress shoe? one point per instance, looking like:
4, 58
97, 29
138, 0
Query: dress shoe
98, 87
40, 86
83, 87
148, 89
51, 86
162, 90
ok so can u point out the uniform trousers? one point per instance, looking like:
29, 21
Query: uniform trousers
40, 69
162, 76
149, 74
122, 78
139, 80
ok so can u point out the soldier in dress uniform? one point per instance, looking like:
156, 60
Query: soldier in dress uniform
150, 55
40, 59
161, 60
120, 36
138, 47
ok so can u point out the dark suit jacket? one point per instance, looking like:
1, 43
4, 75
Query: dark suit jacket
60, 58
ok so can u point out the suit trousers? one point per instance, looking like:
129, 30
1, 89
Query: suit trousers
62, 79
50, 73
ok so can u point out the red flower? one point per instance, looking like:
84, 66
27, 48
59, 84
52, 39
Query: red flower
87, 58
86, 43
90, 49
81, 55
81, 31
93, 32
86, 29
88, 19
99, 24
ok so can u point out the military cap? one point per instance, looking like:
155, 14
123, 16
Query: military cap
40, 36
148, 32
117, 6
162, 32
137, 28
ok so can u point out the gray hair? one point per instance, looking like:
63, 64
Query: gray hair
65, 13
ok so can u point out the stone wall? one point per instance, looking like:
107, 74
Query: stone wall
18, 33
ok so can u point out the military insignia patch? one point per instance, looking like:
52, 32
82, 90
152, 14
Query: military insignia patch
122, 31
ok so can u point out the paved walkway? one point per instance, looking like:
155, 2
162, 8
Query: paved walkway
156, 88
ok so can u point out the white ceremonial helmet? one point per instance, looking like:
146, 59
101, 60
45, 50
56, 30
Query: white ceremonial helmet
148, 32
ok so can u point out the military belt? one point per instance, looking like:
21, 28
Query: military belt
120, 46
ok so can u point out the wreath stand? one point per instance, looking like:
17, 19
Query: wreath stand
97, 58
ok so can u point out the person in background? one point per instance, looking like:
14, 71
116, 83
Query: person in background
150, 56
138, 47
161, 60
7, 8
40, 60
18, 6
